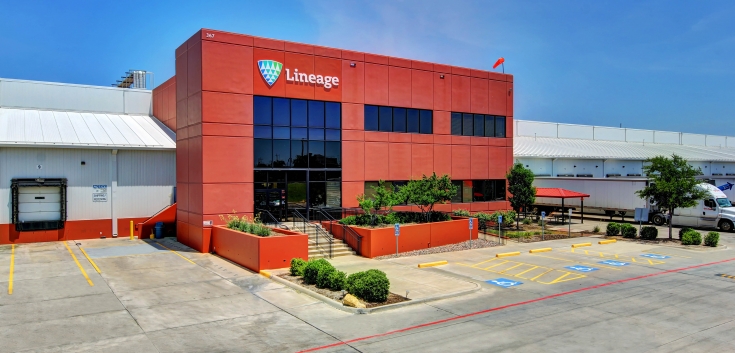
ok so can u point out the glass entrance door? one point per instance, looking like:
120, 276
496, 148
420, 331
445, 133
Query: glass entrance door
273, 201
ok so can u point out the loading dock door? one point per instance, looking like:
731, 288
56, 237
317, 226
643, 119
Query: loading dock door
39, 203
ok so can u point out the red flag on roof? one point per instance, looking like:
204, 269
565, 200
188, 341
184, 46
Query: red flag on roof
497, 63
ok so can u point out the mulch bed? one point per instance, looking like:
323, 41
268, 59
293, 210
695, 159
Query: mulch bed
337, 295
476, 244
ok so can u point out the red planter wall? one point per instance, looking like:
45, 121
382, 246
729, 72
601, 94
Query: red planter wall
259, 253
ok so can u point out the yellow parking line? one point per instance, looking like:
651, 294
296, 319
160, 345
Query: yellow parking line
182, 256
531, 269
512, 267
660, 253
90, 261
12, 267
79, 265
533, 279
581, 263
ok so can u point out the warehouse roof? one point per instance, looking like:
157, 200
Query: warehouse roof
551, 147
49, 128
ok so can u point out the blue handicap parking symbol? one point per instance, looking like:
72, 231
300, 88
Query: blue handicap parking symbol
504, 282
614, 263
655, 256
581, 268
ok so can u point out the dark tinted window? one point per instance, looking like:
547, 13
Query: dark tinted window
281, 112
333, 154
262, 111
333, 115
298, 112
457, 198
499, 190
499, 126
479, 125
399, 119
316, 134
296, 175
298, 133
456, 123
263, 153
426, 122
281, 133
281, 153
334, 175
371, 118
262, 132
478, 190
467, 125
412, 120
261, 176
489, 126
386, 119
299, 153
316, 114
332, 135
316, 154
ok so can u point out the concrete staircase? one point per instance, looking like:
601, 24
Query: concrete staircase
339, 247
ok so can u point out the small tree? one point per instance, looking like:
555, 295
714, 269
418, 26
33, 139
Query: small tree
672, 185
428, 191
384, 196
520, 186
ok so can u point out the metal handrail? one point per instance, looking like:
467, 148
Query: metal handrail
319, 231
346, 230
275, 220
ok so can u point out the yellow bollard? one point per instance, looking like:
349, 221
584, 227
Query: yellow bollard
131, 230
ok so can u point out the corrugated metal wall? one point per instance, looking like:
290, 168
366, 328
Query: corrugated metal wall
145, 179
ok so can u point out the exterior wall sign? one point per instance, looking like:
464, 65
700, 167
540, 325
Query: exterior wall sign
271, 70
99, 193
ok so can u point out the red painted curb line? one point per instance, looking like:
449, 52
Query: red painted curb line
510, 306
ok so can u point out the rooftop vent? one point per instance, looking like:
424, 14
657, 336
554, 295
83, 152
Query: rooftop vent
134, 79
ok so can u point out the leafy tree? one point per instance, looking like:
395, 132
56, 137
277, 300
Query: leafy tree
672, 185
520, 185
428, 191
384, 196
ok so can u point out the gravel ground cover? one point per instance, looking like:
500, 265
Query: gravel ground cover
476, 244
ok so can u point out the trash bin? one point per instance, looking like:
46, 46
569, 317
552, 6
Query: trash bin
158, 230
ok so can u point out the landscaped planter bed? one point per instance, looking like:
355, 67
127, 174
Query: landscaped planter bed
260, 253
338, 295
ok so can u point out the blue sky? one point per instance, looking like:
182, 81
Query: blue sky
643, 64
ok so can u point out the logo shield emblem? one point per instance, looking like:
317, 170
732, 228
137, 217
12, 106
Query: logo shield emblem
270, 69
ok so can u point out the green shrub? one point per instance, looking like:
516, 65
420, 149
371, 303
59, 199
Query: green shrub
596, 229
683, 230
312, 269
297, 266
322, 278
628, 231
370, 285
613, 229
365, 220
527, 221
461, 213
244, 225
712, 239
509, 217
649, 233
691, 237
336, 280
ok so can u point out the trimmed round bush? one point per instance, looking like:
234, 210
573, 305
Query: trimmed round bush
613, 229
336, 280
628, 231
712, 239
312, 269
322, 279
370, 285
683, 230
691, 237
297, 266
649, 233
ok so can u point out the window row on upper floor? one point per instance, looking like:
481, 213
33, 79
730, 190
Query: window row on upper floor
395, 119
466, 124
276, 111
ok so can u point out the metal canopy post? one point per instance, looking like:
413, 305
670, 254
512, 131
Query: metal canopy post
582, 207
562, 210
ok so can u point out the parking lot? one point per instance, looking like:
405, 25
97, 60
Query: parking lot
121, 295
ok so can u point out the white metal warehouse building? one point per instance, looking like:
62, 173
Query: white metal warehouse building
80, 161
607, 162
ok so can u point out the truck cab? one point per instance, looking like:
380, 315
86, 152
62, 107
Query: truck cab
714, 211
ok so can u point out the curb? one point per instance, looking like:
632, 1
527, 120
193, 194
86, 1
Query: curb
432, 264
602, 242
337, 305
581, 245
533, 251
506, 254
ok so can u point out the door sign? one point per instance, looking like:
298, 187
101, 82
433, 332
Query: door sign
581, 268
99, 193
655, 256
614, 263
504, 282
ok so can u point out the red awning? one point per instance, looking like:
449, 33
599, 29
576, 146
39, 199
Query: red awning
559, 193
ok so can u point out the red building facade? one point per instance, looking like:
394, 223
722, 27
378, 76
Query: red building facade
218, 77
